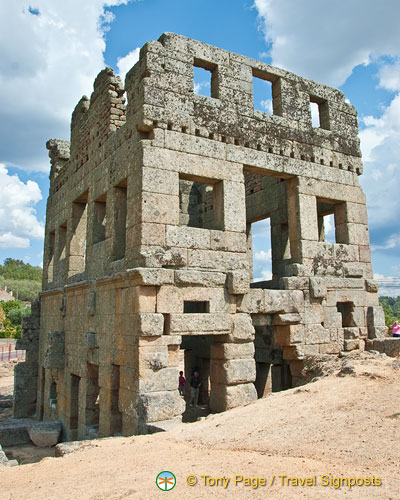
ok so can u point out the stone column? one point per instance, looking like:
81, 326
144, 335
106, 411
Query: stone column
233, 368
26, 374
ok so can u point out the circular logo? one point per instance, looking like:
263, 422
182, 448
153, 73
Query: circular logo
165, 480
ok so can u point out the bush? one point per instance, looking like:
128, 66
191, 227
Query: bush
14, 311
16, 314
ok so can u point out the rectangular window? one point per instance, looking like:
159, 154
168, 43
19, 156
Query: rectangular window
346, 309
78, 239
119, 222
62, 241
192, 306
205, 78
319, 112
200, 202
268, 243
259, 233
50, 265
327, 221
99, 223
266, 92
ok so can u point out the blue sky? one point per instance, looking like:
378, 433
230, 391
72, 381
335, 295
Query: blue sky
50, 52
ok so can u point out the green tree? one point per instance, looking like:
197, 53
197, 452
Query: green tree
391, 308
24, 289
18, 270
15, 315
2, 316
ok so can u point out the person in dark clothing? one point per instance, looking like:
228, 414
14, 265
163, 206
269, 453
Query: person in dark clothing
181, 386
194, 389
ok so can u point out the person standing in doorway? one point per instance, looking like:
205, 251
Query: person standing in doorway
181, 385
194, 389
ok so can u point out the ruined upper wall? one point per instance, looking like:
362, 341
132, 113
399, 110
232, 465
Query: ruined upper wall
160, 95
160, 91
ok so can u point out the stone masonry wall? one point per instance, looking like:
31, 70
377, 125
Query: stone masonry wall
149, 217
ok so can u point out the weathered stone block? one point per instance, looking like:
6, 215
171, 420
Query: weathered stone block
389, 346
353, 270
199, 324
351, 333
234, 371
350, 345
371, 286
228, 351
148, 276
199, 278
286, 319
149, 325
224, 398
238, 282
316, 334
317, 288
164, 379
155, 406
288, 334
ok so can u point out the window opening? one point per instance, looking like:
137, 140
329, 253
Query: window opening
200, 203
204, 78
192, 306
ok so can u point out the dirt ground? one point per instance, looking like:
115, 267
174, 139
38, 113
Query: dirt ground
346, 424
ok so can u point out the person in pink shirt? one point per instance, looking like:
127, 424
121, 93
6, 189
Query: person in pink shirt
396, 329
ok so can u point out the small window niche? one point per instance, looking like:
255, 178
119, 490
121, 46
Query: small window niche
200, 202
119, 220
266, 92
50, 265
62, 241
205, 78
319, 113
79, 232
100, 219
346, 310
195, 306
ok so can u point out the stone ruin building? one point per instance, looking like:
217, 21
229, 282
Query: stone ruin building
148, 246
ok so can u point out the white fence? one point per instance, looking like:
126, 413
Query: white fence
8, 353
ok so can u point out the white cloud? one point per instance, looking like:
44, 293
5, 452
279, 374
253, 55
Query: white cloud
389, 76
125, 63
50, 53
263, 256
380, 144
267, 105
8, 240
325, 40
392, 242
18, 221
201, 87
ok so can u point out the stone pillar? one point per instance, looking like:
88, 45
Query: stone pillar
233, 368
26, 374
157, 396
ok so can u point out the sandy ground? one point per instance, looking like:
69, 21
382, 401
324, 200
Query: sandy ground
337, 427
